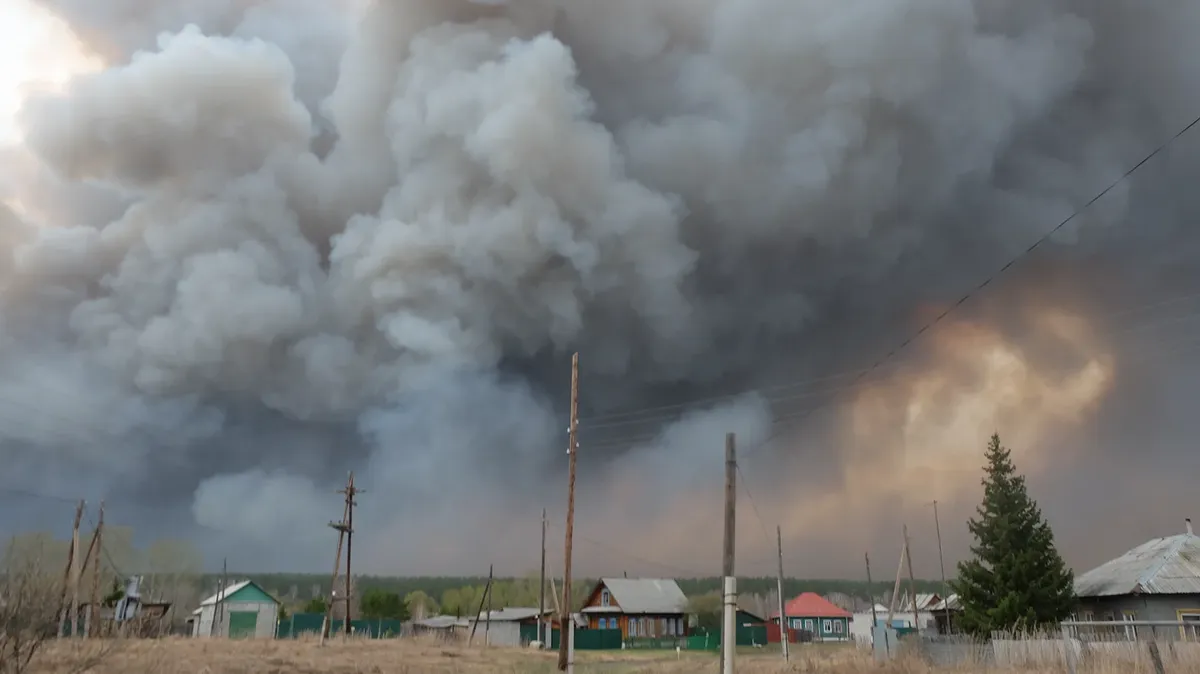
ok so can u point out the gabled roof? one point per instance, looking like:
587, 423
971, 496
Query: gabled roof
645, 595
234, 589
812, 605
952, 603
1168, 565
512, 614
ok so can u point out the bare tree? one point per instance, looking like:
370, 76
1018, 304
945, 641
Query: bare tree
30, 605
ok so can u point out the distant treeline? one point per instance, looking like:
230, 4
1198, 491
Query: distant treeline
438, 586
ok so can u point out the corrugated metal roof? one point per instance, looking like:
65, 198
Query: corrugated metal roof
512, 614
442, 622
1168, 565
229, 591
647, 595
952, 601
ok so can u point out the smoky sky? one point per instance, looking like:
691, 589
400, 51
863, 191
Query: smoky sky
271, 242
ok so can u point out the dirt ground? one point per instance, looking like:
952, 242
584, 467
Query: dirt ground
357, 656
395, 657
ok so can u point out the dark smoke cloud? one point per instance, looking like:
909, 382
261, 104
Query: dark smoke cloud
275, 241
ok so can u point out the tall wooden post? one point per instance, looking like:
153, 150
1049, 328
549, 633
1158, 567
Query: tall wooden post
93, 612
68, 619
564, 621
912, 581
729, 624
783, 626
541, 619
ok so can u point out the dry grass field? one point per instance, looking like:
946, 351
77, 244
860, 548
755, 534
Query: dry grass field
430, 657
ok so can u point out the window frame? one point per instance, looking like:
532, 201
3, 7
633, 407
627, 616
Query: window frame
1189, 615
826, 626
1130, 630
605, 598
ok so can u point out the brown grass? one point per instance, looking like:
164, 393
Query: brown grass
417, 656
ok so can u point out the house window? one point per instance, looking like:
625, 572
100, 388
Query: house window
605, 598
612, 623
1191, 627
837, 627
808, 624
1130, 630
827, 626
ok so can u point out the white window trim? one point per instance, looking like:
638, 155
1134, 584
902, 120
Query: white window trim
837, 627
827, 626
1130, 631
605, 598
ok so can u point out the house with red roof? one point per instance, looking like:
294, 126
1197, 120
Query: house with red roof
814, 614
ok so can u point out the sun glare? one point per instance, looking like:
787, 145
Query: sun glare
37, 53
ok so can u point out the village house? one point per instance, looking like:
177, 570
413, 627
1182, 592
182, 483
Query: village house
1158, 580
638, 607
814, 614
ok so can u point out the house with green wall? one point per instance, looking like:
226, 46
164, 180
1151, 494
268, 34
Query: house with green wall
242, 611
814, 614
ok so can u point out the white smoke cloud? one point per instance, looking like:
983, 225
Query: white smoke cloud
385, 230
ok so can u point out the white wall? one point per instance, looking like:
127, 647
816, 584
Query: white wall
507, 633
268, 615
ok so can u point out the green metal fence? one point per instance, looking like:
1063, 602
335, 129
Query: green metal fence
656, 643
591, 640
298, 624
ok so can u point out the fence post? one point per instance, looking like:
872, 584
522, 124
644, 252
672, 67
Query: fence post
1069, 649
1155, 656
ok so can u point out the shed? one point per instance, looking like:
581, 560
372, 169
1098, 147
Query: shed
507, 626
1158, 580
242, 611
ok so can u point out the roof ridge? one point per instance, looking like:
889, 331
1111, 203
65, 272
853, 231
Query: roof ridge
1167, 556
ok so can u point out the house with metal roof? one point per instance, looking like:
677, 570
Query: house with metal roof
1158, 580
639, 607
817, 616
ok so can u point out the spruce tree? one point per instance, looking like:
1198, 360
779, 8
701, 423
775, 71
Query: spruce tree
1016, 580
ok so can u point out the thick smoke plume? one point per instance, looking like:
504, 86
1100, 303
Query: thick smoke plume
271, 241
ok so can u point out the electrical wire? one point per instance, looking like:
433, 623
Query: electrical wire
656, 414
1144, 325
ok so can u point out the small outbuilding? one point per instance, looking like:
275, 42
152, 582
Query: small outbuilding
242, 611
508, 626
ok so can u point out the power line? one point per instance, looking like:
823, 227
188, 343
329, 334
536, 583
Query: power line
1143, 325
753, 506
978, 288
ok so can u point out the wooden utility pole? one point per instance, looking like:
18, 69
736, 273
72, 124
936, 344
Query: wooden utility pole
874, 613
486, 598
541, 619
340, 527
729, 623
783, 624
912, 582
221, 626
937, 524
69, 575
97, 545
350, 503
572, 450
